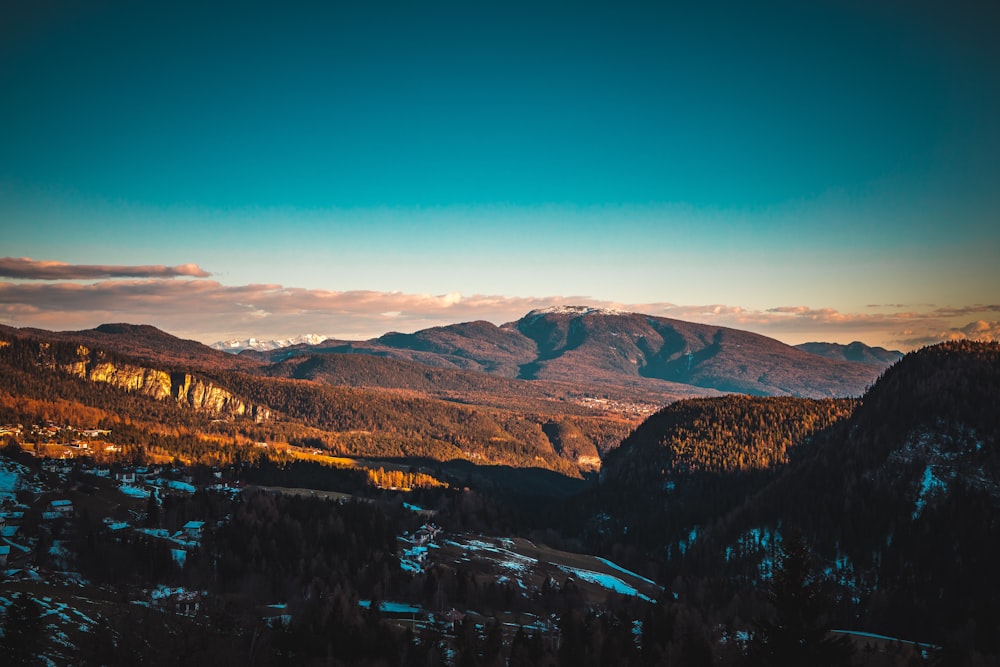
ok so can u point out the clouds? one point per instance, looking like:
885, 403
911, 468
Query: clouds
208, 310
25, 268
978, 330
903, 329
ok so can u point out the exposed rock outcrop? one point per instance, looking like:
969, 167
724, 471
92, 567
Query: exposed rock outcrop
188, 390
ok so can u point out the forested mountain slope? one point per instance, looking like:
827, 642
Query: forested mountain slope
342, 420
902, 500
695, 461
144, 342
575, 342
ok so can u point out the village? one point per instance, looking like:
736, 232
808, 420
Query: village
37, 507
46, 503
58, 440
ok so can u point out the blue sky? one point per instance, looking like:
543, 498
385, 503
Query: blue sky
807, 170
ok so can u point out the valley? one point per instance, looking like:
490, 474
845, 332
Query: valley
470, 498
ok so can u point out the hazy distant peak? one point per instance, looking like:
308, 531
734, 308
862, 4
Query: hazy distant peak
857, 352
237, 345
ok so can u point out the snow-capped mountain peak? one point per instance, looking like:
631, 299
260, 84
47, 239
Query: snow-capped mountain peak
237, 345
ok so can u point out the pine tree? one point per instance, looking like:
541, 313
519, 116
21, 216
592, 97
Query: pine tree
153, 510
797, 634
22, 628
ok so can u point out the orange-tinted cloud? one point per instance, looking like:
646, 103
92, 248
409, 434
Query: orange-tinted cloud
206, 309
25, 268
978, 330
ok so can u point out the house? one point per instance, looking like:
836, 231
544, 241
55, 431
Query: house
177, 600
10, 429
194, 529
125, 477
63, 507
454, 617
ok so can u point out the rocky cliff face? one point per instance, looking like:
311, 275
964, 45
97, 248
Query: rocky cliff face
188, 390
147, 381
200, 395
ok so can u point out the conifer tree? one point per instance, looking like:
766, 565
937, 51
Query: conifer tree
797, 633
22, 628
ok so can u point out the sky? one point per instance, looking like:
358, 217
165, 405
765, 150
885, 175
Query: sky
807, 170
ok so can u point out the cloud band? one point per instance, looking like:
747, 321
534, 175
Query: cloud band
25, 268
208, 310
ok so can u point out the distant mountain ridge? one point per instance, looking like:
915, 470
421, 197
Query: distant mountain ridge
628, 353
856, 351
599, 346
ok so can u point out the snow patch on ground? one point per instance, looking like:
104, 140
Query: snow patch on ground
176, 485
513, 565
508, 560
133, 491
615, 566
15, 477
608, 581
10, 481
413, 558
391, 607
409, 566
872, 635
930, 485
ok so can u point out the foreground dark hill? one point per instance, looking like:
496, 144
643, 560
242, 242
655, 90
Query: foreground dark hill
926, 436
900, 501
897, 495
694, 462
730, 434
625, 350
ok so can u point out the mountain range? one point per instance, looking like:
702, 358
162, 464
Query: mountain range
624, 350
557, 388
